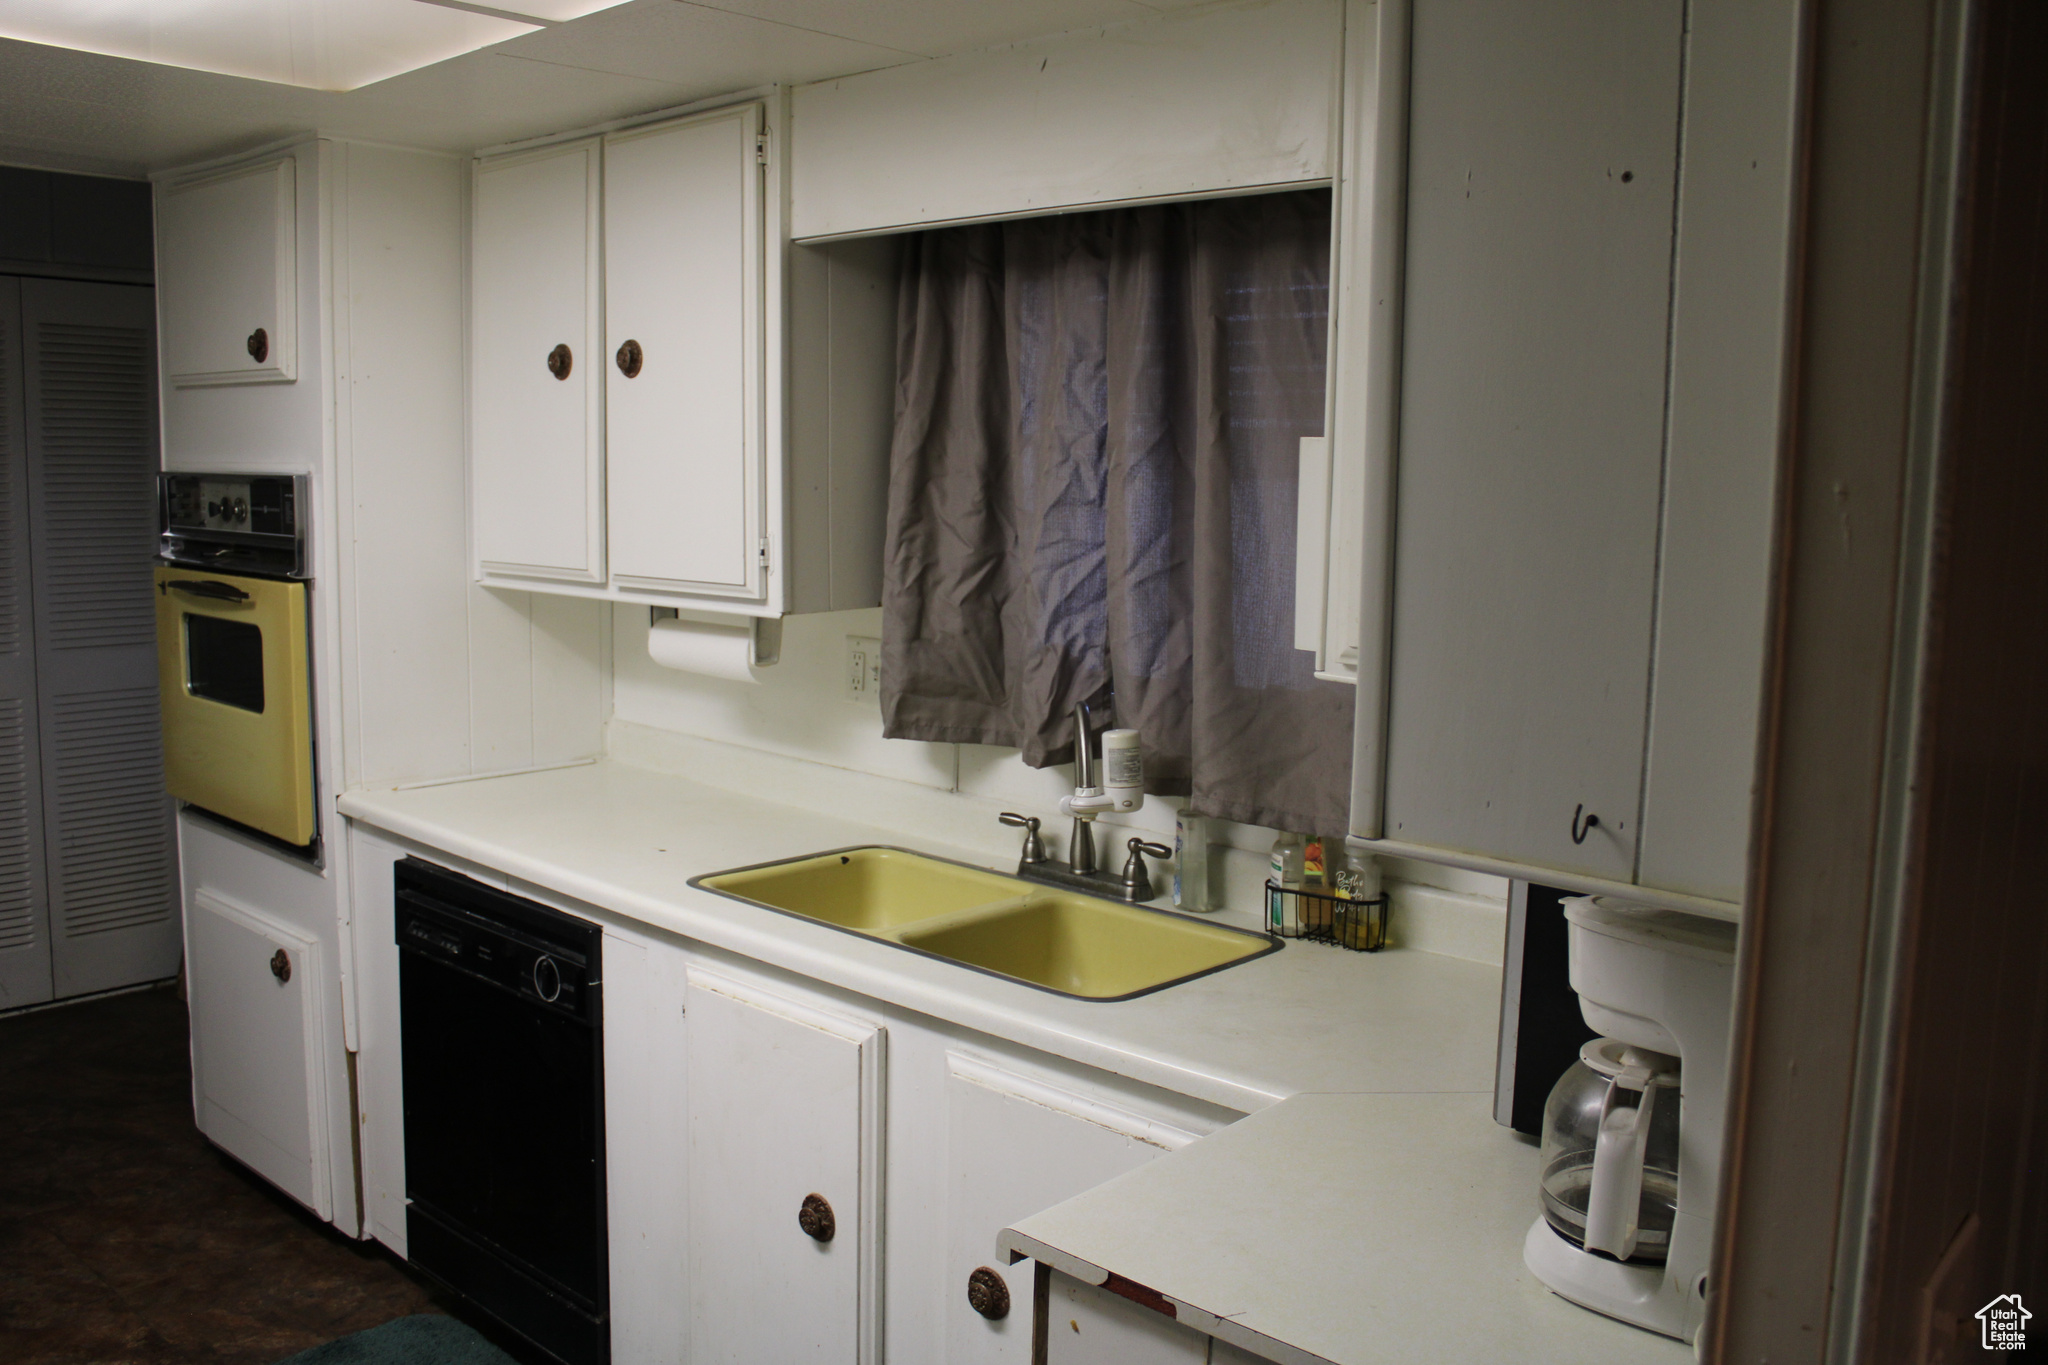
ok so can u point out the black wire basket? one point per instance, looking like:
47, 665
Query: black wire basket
1315, 916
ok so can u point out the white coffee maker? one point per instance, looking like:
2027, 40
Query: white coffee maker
1632, 1133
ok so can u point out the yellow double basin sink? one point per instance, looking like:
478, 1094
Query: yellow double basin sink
1067, 942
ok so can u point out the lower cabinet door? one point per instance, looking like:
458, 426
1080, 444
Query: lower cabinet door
256, 1030
785, 1131
1085, 1325
1015, 1146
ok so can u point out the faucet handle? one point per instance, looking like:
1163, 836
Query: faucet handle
1034, 847
1137, 880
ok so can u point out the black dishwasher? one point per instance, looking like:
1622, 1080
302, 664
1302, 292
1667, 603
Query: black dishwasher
502, 1034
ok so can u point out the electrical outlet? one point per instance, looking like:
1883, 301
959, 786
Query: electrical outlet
864, 669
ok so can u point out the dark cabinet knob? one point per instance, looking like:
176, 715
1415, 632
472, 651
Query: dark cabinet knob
560, 362
259, 345
988, 1293
629, 358
815, 1218
281, 966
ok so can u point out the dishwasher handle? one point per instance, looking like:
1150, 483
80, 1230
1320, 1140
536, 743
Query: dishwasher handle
209, 587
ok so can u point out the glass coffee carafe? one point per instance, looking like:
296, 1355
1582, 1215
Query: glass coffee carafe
1610, 1152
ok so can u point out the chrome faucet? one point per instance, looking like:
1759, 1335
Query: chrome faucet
1081, 844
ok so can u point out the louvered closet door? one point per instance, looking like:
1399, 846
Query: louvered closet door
24, 906
90, 372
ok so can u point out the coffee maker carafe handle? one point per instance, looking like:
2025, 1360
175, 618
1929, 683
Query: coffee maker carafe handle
1614, 1201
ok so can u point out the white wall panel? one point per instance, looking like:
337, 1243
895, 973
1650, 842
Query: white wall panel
500, 679
1217, 101
398, 413
795, 707
441, 677
569, 643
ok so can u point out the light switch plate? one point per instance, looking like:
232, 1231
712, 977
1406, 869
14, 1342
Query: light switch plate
863, 674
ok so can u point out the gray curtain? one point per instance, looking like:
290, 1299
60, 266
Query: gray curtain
1092, 496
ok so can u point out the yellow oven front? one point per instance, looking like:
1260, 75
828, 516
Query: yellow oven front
238, 725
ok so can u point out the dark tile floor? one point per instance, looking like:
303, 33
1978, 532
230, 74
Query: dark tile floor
125, 1237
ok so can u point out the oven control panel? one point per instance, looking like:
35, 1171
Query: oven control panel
250, 523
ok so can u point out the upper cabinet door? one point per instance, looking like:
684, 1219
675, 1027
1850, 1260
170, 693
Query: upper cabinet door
1541, 167
227, 276
536, 386
683, 303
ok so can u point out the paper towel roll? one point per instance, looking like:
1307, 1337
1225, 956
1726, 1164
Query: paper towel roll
694, 647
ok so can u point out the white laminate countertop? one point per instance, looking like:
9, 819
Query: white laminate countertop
1351, 1229
1376, 1215
627, 840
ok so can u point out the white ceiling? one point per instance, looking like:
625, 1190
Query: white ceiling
69, 110
325, 44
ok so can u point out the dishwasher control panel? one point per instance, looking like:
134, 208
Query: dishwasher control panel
513, 944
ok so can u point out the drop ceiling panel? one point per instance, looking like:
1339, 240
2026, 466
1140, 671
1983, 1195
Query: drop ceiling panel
704, 50
80, 111
73, 110
935, 29
322, 44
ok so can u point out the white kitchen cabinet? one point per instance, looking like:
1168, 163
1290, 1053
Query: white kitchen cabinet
418, 673
646, 1117
785, 1169
1016, 1144
1088, 1325
1343, 517
1574, 631
1728, 328
1532, 427
257, 1041
536, 376
682, 234
721, 442
1221, 99
227, 275
732, 1092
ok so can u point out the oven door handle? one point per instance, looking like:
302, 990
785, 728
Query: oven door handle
207, 587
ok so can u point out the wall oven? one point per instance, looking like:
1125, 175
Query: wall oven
233, 652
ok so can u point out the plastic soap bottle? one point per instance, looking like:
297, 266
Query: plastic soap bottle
1315, 912
1283, 911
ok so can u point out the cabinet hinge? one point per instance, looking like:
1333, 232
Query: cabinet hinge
760, 149
764, 552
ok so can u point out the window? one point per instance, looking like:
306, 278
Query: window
1092, 496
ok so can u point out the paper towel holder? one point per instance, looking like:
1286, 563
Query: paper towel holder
766, 648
